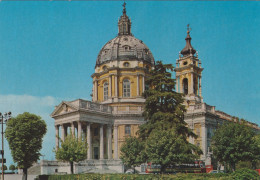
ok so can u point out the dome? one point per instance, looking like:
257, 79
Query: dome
124, 47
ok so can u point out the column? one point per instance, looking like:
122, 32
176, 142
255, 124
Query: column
72, 129
181, 85
191, 84
109, 141
79, 130
138, 90
96, 90
143, 84
57, 137
204, 139
62, 132
110, 86
115, 142
89, 141
101, 142
116, 89
200, 86
177, 84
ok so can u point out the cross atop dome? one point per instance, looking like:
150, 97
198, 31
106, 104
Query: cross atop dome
124, 23
124, 9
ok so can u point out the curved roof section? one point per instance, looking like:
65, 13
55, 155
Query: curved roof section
124, 47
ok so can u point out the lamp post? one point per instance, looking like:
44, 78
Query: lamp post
4, 119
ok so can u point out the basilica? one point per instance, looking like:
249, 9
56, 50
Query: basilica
115, 111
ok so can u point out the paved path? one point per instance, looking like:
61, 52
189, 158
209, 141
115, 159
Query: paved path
18, 177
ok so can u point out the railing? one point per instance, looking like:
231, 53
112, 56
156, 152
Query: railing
83, 104
88, 105
203, 107
128, 109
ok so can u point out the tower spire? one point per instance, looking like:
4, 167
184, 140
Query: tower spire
124, 23
188, 49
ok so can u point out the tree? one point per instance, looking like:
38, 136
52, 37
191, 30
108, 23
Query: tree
12, 167
131, 152
234, 142
165, 132
5, 168
72, 150
168, 148
24, 134
163, 105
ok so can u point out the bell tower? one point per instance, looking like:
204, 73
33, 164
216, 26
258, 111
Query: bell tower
188, 73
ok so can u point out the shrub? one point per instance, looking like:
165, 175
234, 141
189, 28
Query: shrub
245, 174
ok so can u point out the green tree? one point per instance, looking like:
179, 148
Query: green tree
24, 134
131, 152
12, 167
5, 168
165, 128
163, 106
72, 150
168, 148
234, 142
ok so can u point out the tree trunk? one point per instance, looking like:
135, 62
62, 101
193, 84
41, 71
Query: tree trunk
233, 166
162, 169
24, 174
134, 169
71, 167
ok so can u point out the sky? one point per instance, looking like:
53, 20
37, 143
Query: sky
48, 51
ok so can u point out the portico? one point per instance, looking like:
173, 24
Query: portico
85, 124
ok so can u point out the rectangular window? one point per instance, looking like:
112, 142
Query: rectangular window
126, 88
105, 91
127, 129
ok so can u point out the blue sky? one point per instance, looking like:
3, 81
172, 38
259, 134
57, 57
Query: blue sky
48, 51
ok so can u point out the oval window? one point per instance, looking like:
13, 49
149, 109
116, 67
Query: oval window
126, 64
104, 68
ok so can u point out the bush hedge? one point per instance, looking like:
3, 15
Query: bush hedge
241, 174
245, 174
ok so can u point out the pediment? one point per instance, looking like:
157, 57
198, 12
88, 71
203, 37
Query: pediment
62, 108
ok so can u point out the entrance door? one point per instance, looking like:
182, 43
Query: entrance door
96, 152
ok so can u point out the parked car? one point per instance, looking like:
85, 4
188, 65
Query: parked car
129, 171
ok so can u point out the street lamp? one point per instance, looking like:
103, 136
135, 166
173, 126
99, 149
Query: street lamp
3, 118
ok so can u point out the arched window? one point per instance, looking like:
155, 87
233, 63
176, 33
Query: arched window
126, 88
124, 28
195, 86
105, 87
185, 86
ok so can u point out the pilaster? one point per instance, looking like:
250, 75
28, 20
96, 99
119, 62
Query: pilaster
101, 145
89, 141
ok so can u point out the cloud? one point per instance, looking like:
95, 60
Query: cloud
42, 106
